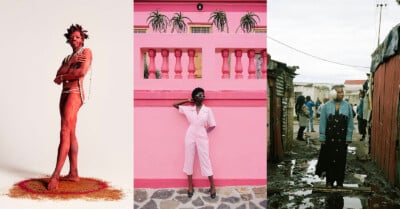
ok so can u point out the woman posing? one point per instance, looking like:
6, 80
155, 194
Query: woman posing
201, 121
71, 74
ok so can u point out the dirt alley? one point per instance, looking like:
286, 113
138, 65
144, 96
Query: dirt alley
291, 182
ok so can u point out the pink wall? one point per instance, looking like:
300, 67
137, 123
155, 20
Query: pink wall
234, 10
161, 154
238, 144
211, 56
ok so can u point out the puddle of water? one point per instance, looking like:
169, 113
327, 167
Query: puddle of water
300, 193
336, 200
361, 177
292, 167
290, 205
352, 202
310, 177
306, 204
306, 199
351, 150
350, 185
311, 166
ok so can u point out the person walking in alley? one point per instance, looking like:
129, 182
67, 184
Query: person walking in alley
325, 100
302, 115
335, 133
310, 104
317, 105
362, 123
202, 121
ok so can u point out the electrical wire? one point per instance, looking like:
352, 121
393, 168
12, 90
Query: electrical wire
314, 56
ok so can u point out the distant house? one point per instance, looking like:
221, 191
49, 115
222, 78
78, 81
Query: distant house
314, 90
321, 90
352, 89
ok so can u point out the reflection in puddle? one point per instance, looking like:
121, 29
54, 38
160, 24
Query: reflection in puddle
331, 200
310, 178
303, 197
300, 193
292, 167
336, 201
352, 202
361, 177
311, 166
306, 204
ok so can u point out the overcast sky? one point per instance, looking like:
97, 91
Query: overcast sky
340, 31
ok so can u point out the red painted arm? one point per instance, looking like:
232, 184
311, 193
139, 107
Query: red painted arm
74, 74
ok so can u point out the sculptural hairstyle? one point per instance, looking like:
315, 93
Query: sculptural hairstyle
76, 27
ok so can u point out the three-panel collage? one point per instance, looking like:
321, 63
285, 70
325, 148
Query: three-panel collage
214, 104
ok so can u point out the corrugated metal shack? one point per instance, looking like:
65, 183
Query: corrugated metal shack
385, 122
280, 108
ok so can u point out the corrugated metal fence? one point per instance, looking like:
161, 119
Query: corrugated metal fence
385, 124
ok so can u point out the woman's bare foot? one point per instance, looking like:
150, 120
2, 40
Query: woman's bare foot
70, 177
53, 183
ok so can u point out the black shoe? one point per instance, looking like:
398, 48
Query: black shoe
313, 131
213, 195
339, 185
300, 139
190, 194
329, 185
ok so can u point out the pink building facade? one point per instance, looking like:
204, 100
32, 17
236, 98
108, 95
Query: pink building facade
230, 66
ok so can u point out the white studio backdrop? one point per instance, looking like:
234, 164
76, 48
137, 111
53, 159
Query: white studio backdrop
32, 47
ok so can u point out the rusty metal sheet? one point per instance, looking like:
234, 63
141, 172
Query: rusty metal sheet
384, 113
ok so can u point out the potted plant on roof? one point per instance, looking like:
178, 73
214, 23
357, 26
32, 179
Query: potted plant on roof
159, 22
219, 20
178, 23
248, 22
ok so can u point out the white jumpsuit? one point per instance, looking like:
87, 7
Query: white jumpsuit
196, 137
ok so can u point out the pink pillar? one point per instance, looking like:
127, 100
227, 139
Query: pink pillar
225, 65
264, 64
252, 66
178, 64
152, 65
164, 66
238, 66
191, 67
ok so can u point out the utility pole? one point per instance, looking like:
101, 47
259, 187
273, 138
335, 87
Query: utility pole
380, 18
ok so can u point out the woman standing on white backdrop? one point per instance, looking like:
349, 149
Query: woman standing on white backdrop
71, 74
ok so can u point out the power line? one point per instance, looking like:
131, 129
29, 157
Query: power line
314, 56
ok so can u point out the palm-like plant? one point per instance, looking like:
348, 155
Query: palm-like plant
219, 20
247, 22
178, 22
158, 21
